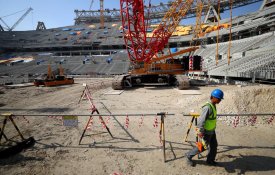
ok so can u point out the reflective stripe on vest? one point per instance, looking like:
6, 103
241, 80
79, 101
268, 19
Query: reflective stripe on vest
210, 123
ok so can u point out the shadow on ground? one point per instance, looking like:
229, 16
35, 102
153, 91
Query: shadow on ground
13, 160
250, 163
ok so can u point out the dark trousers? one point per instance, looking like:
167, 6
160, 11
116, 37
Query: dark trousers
212, 144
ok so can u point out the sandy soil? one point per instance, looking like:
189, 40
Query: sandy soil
245, 149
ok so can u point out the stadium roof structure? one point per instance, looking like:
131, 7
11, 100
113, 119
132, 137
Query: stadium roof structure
157, 12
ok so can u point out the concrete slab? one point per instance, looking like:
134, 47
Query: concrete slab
113, 92
19, 85
189, 92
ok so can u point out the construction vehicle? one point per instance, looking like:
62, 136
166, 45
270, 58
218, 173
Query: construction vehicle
53, 80
148, 64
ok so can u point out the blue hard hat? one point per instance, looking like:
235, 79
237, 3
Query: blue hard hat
217, 93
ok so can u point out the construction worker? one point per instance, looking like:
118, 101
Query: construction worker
206, 130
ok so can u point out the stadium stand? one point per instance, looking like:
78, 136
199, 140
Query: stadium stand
84, 49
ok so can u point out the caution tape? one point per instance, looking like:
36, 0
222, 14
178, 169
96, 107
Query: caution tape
90, 124
115, 173
141, 121
270, 120
26, 119
155, 125
127, 121
236, 121
92, 108
108, 120
19, 118
103, 124
252, 120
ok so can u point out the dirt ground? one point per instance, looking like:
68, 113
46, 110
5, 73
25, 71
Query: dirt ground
246, 147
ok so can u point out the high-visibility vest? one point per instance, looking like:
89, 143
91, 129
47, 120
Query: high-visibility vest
210, 123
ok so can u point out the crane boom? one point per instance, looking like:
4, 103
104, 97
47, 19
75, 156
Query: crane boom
20, 19
92, 2
140, 48
7, 27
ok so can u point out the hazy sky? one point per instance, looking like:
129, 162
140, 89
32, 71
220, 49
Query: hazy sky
58, 13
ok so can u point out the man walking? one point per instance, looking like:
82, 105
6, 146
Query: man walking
206, 130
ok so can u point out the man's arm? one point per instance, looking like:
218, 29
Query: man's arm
201, 120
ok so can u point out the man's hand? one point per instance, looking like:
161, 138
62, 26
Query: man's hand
200, 134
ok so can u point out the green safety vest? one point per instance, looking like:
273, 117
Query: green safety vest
210, 123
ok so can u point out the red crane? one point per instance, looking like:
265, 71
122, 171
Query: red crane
143, 51
140, 48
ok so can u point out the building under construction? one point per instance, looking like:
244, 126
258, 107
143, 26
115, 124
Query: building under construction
242, 49
86, 127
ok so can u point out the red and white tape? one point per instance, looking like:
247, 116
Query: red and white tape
90, 124
269, 121
252, 120
236, 121
19, 118
108, 121
115, 173
127, 122
103, 124
26, 120
155, 122
141, 121
92, 107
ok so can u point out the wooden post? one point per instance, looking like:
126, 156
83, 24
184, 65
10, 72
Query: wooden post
85, 130
103, 122
3, 135
3, 127
17, 129
162, 134
9, 117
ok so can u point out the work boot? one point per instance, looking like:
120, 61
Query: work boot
212, 163
189, 161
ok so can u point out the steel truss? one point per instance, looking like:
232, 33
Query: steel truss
156, 11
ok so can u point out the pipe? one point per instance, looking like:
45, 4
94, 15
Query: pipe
166, 114
88, 114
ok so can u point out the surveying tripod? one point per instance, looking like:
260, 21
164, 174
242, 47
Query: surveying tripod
194, 117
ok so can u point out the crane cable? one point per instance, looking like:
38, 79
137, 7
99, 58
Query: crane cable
197, 29
91, 5
230, 34
14, 13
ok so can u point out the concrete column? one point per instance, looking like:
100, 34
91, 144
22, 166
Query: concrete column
253, 77
225, 79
